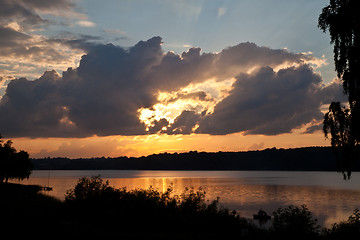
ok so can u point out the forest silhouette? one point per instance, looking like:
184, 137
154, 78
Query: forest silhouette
298, 159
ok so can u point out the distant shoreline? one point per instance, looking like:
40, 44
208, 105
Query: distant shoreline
295, 159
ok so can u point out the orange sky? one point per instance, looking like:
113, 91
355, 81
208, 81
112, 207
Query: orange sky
114, 146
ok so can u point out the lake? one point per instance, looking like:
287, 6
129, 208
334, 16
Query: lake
329, 197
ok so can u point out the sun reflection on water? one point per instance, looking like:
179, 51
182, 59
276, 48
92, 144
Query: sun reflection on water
329, 204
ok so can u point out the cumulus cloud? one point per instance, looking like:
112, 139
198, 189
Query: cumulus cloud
4, 81
86, 23
106, 93
100, 97
22, 44
270, 103
28, 13
193, 67
24, 54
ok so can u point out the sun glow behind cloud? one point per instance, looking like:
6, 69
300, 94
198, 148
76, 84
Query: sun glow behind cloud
200, 98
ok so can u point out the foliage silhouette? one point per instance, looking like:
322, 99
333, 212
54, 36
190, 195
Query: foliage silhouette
147, 209
296, 222
341, 18
337, 122
346, 229
89, 189
148, 214
13, 164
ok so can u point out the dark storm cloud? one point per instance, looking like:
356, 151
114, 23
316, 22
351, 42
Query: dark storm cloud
19, 19
270, 103
10, 37
314, 128
248, 55
26, 12
104, 94
18, 44
184, 123
16, 10
31, 107
192, 66
75, 40
199, 96
15, 45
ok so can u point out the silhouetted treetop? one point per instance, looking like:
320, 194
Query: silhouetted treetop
342, 19
13, 164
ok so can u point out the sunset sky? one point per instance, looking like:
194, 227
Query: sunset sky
88, 78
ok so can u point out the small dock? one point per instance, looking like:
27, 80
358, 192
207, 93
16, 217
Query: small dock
47, 188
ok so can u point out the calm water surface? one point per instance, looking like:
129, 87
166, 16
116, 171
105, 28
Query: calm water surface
326, 194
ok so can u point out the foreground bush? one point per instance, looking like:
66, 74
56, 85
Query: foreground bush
346, 229
149, 211
296, 222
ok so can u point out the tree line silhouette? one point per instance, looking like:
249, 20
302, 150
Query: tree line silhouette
13, 164
298, 159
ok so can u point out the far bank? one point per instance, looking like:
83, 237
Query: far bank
297, 159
